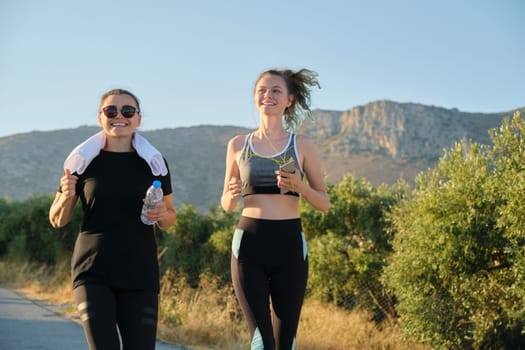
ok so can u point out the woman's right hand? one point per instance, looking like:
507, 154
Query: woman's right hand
63, 206
234, 187
68, 183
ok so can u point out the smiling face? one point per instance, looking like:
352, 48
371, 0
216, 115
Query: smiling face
119, 126
271, 95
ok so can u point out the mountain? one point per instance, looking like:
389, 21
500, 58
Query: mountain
382, 141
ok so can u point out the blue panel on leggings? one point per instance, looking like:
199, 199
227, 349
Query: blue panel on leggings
305, 247
236, 242
257, 342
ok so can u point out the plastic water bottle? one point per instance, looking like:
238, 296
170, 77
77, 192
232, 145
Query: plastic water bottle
154, 195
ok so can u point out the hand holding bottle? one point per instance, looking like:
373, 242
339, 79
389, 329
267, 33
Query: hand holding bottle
154, 207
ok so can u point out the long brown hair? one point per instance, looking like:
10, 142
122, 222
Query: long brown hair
298, 84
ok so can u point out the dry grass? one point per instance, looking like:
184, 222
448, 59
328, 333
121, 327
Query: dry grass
48, 284
36, 280
208, 317
327, 327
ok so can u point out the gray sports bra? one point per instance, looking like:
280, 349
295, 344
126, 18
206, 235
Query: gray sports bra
258, 171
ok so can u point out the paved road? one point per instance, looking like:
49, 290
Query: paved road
27, 325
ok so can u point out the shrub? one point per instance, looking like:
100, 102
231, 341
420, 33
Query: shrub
457, 269
349, 251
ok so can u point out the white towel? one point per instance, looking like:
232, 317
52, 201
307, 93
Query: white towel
150, 154
80, 157
83, 154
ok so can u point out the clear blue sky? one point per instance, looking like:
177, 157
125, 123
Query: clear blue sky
195, 62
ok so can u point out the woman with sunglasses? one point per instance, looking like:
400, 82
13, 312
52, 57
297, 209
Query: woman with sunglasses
266, 168
115, 271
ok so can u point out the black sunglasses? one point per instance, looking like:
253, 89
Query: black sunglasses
126, 111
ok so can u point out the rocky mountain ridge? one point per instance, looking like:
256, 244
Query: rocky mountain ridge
396, 129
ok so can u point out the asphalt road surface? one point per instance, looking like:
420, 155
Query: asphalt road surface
29, 325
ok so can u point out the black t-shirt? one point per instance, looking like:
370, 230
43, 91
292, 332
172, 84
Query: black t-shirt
114, 247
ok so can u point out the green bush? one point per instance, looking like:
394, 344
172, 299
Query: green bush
217, 251
199, 243
184, 242
457, 269
349, 250
25, 231
5, 234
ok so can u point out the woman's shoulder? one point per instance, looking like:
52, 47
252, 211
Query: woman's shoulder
305, 144
238, 140
303, 139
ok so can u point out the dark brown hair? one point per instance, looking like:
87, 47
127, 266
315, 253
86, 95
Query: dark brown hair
120, 92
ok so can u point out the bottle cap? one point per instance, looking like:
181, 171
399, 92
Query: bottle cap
156, 183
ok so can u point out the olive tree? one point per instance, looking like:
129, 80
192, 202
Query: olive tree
457, 267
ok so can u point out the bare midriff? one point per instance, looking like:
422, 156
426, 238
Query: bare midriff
271, 206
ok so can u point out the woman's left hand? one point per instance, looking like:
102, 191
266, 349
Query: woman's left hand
158, 212
288, 181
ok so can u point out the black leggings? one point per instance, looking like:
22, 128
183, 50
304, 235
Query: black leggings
103, 309
269, 260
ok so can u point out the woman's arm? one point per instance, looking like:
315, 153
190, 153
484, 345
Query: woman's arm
314, 190
232, 181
